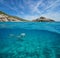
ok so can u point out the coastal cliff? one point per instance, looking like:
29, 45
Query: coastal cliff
8, 18
43, 19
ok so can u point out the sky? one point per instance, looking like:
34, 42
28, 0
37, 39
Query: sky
32, 9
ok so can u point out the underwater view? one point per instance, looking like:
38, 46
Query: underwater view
30, 40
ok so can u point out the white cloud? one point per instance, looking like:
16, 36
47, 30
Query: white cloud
8, 6
49, 7
52, 15
30, 17
35, 7
46, 7
22, 12
53, 4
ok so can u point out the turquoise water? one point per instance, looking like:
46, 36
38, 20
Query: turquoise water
39, 40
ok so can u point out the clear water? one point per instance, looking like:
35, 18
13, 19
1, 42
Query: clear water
41, 40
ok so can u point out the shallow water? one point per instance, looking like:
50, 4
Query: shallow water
41, 40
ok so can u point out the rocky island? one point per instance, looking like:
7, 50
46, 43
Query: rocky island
43, 19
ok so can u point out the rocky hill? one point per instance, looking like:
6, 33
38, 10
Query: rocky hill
8, 18
43, 19
5, 18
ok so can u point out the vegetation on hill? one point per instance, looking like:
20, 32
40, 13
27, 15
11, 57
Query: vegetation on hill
9, 17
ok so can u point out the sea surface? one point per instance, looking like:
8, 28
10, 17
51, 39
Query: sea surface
29, 39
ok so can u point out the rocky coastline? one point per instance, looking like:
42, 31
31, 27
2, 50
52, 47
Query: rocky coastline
8, 18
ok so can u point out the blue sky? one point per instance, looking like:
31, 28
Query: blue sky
32, 9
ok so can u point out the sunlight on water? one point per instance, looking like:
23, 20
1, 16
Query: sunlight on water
29, 43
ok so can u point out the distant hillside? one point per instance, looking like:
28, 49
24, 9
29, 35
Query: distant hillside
43, 19
5, 18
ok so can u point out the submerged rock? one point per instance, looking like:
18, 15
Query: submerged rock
22, 34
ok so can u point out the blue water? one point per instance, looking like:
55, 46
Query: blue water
41, 40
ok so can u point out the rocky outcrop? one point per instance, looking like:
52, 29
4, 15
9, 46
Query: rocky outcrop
8, 18
43, 19
5, 18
